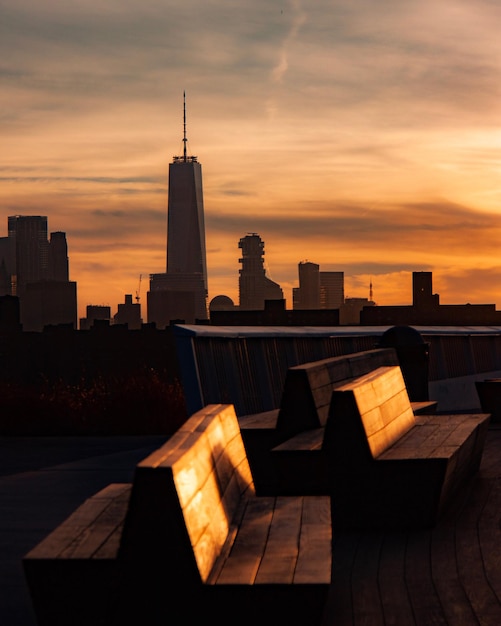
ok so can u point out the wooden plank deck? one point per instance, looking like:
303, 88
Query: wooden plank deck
449, 575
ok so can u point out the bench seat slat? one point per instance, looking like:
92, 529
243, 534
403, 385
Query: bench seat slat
263, 420
109, 549
426, 407
282, 547
315, 541
243, 560
308, 440
290, 539
92, 538
58, 543
436, 439
462, 430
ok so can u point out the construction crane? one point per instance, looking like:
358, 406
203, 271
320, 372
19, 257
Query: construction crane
138, 288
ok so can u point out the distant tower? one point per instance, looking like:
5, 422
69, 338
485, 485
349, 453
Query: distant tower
185, 227
39, 273
254, 286
58, 257
422, 294
308, 294
331, 290
181, 293
129, 313
318, 290
6, 266
29, 250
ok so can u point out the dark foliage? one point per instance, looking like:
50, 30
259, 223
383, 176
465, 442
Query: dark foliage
145, 402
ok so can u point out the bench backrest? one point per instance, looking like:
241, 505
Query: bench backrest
185, 495
308, 387
368, 415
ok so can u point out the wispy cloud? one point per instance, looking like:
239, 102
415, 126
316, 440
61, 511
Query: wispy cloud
295, 17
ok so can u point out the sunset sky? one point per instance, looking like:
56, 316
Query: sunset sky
364, 136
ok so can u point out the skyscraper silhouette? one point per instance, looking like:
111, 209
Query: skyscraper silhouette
254, 286
181, 293
29, 250
58, 257
308, 294
331, 290
36, 271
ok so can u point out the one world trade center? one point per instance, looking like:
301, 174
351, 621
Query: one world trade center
181, 293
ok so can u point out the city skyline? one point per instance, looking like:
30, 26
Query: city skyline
364, 139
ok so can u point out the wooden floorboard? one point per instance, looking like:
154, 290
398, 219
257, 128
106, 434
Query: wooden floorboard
426, 606
339, 609
469, 557
397, 608
449, 575
367, 601
489, 531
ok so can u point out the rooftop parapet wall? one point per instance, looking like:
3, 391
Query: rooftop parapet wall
246, 366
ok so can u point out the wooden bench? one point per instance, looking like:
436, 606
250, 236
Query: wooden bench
305, 406
188, 541
388, 468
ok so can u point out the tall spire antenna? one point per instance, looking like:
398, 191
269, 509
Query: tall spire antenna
184, 158
184, 126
